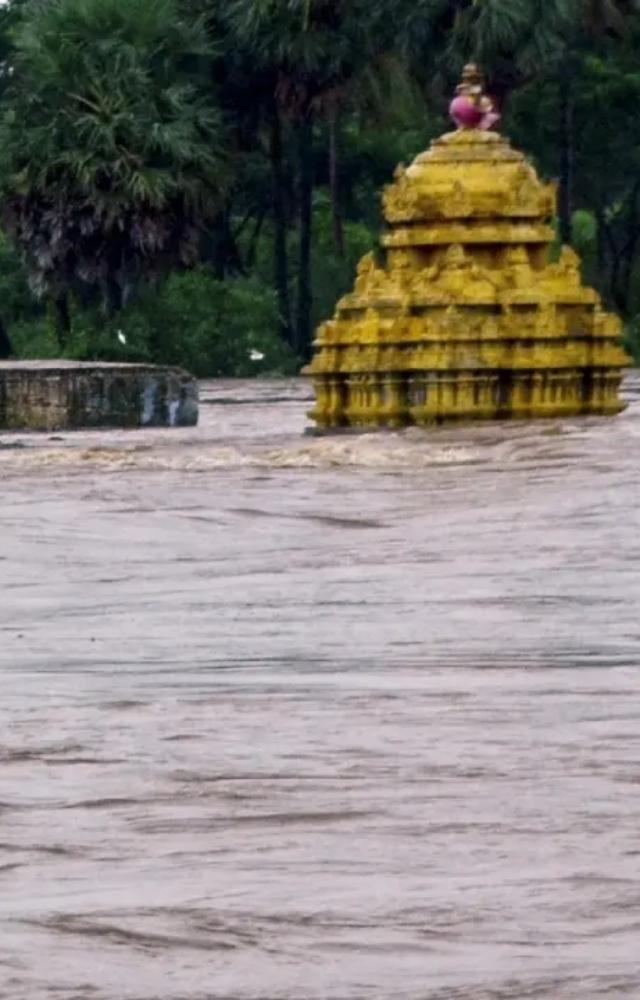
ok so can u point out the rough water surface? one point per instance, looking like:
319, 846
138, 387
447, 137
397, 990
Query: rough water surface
290, 718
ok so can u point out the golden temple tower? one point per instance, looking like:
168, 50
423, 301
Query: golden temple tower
463, 317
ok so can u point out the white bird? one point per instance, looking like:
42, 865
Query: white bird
256, 355
121, 337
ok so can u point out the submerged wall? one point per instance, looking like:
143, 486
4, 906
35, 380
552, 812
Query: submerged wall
63, 395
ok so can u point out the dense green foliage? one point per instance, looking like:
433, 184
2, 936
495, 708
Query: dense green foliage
109, 156
191, 182
207, 325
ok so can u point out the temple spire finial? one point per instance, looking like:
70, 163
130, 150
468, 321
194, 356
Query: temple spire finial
472, 108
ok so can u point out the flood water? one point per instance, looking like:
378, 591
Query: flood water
290, 718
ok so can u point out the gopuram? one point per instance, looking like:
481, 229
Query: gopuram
464, 317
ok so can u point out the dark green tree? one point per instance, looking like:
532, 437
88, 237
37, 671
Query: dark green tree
110, 161
311, 52
517, 42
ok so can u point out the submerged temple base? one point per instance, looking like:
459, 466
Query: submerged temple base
464, 317
68, 395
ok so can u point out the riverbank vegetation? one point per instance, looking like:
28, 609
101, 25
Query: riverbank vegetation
192, 182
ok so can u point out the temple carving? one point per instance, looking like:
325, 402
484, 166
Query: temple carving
461, 315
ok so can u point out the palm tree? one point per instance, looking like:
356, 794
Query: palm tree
109, 159
612, 16
312, 51
515, 42
596, 19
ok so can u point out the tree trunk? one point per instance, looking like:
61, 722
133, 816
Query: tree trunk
5, 342
334, 180
629, 252
567, 137
614, 270
304, 303
280, 261
255, 236
225, 253
601, 247
62, 318
113, 296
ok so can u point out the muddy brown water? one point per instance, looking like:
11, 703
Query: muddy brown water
288, 718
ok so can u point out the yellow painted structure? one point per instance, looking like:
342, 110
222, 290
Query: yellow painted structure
463, 317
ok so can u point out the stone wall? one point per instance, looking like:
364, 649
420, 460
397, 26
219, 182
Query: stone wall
62, 395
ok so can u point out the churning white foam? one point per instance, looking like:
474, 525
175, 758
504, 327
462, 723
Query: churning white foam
323, 453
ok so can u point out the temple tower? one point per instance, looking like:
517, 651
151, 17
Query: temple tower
462, 316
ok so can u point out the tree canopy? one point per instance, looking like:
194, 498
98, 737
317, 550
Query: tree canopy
111, 159
239, 149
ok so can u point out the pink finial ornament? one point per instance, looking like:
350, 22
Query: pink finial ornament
471, 107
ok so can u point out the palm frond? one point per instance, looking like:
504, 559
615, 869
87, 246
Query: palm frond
106, 125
